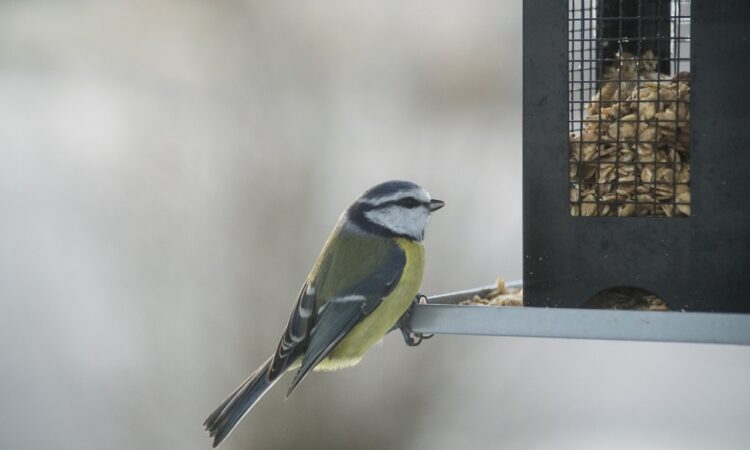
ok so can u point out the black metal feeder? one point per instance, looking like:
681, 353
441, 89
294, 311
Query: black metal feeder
636, 165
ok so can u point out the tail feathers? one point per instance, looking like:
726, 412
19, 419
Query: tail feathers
222, 421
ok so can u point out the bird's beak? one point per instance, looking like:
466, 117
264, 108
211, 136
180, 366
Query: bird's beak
436, 204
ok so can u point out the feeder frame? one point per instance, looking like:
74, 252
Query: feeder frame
700, 265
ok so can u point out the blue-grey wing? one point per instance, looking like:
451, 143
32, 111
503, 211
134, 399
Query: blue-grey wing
294, 340
338, 316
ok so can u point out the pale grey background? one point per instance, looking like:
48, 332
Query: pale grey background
168, 172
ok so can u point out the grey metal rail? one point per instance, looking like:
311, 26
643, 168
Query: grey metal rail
442, 316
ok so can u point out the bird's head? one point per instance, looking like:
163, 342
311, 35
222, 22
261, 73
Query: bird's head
394, 208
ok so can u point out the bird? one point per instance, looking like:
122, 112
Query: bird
362, 286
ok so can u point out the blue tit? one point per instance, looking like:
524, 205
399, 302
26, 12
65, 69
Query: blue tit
363, 282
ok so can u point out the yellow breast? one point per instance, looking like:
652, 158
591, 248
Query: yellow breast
352, 348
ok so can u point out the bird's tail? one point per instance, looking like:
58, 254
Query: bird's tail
222, 421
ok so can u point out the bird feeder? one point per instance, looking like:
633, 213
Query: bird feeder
636, 152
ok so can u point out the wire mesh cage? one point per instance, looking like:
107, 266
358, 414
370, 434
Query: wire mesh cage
629, 107
635, 115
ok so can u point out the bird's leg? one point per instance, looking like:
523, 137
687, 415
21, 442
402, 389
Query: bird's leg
411, 338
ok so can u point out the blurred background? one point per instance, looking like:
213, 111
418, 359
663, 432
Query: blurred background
168, 173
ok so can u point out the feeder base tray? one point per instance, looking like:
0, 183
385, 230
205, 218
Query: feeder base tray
442, 315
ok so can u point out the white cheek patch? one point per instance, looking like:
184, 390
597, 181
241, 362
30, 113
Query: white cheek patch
405, 221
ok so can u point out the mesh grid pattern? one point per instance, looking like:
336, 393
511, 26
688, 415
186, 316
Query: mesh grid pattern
629, 107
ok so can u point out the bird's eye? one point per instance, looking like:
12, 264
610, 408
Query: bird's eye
408, 202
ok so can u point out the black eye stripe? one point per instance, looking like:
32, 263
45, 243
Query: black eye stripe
406, 202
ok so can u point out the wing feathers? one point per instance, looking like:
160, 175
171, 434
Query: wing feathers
297, 331
339, 318
336, 317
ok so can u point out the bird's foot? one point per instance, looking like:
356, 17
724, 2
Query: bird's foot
411, 338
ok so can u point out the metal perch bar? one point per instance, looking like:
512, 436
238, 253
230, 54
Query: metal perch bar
441, 316
455, 297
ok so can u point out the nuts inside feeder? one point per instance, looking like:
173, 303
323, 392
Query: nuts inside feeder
630, 153
622, 297
626, 297
501, 296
